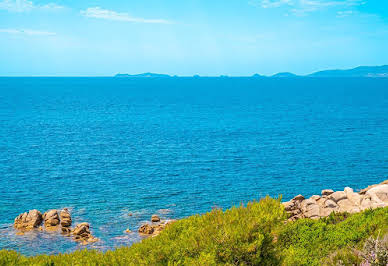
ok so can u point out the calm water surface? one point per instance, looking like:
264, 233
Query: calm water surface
105, 147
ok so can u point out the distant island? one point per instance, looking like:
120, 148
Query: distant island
284, 75
143, 75
362, 71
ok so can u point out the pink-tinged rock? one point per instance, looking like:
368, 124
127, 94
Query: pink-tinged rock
307, 203
315, 197
312, 211
298, 198
337, 196
330, 204
378, 194
289, 205
355, 198
347, 206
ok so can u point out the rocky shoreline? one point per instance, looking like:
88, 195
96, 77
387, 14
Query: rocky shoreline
54, 221
315, 207
318, 206
60, 221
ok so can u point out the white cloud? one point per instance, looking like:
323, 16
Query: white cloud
301, 7
27, 32
100, 13
346, 13
25, 5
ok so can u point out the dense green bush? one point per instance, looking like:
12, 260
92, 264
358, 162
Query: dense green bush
255, 234
306, 242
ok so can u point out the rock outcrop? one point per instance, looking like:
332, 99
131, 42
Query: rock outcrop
29, 220
51, 220
81, 233
65, 218
375, 196
155, 218
154, 229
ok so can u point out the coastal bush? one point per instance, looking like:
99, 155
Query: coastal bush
308, 242
255, 234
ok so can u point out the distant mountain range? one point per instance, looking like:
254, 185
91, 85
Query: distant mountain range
362, 71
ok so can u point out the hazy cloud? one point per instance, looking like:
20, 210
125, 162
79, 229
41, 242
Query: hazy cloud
301, 7
25, 5
100, 13
27, 32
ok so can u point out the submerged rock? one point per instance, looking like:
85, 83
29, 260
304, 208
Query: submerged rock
28, 220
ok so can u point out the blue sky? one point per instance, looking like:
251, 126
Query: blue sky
206, 37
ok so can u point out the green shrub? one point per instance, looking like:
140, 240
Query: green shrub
307, 242
256, 234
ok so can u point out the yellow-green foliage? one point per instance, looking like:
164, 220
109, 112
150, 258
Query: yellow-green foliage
252, 235
307, 242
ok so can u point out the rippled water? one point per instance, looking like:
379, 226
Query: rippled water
105, 147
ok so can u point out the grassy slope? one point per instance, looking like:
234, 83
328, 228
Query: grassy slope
252, 235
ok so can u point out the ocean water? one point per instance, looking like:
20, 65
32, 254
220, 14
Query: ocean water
106, 147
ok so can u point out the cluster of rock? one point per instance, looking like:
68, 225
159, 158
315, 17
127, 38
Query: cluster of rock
317, 206
54, 220
155, 227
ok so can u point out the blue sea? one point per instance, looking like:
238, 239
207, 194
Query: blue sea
107, 147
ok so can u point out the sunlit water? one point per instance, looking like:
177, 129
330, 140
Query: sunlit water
107, 147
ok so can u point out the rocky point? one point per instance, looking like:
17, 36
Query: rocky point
317, 206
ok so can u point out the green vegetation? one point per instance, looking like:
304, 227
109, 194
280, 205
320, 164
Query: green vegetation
255, 234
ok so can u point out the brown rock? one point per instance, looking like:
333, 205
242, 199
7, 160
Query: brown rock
28, 221
81, 233
154, 229
327, 192
146, 229
51, 219
65, 218
66, 231
81, 228
155, 218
